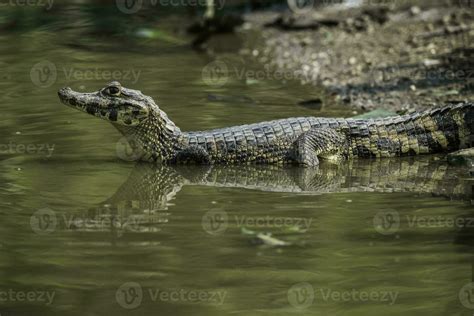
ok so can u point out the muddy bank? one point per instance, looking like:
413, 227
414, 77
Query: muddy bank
396, 57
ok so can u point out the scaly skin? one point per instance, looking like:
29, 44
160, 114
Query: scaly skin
154, 137
153, 187
144, 202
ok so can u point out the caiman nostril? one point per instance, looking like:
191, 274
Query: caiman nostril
64, 91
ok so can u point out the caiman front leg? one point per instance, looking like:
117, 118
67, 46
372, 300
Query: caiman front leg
192, 155
324, 143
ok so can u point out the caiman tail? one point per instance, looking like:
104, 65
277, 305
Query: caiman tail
438, 130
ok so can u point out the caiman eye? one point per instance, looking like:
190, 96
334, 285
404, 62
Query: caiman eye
114, 91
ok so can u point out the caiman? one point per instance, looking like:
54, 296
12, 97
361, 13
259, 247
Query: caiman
301, 140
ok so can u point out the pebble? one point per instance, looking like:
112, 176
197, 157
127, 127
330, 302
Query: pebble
306, 41
247, 26
431, 62
415, 10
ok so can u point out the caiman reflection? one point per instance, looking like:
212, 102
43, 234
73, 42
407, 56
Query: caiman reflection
143, 200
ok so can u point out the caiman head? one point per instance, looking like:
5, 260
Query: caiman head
113, 103
132, 113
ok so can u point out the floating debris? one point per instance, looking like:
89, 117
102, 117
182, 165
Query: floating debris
313, 104
464, 157
248, 232
268, 240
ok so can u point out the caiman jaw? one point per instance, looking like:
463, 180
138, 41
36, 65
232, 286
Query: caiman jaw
112, 103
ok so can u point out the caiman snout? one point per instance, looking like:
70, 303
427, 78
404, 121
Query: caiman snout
112, 103
63, 91
65, 94
78, 100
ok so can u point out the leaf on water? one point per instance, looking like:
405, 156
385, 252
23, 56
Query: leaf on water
295, 229
159, 35
246, 231
268, 240
379, 113
250, 81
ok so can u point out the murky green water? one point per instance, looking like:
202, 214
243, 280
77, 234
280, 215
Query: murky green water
86, 233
